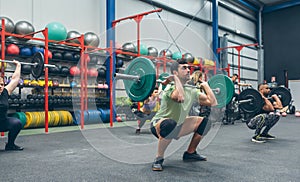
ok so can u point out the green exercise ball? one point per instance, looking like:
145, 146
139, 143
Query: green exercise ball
176, 55
56, 31
143, 49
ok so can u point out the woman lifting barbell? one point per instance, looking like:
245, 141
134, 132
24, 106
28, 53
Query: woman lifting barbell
172, 120
10, 124
267, 117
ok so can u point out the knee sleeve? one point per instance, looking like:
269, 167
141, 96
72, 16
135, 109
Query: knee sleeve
202, 126
166, 128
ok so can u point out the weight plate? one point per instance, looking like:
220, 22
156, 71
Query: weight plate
256, 103
226, 89
38, 69
142, 89
283, 93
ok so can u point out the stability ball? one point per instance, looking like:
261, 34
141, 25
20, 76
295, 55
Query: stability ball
143, 49
128, 47
166, 52
152, 51
23, 28
176, 55
72, 34
91, 39
56, 31
188, 57
9, 24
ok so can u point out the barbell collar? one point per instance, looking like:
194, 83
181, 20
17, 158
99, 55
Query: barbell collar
126, 76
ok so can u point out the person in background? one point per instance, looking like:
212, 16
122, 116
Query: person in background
267, 117
148, 110
10, 124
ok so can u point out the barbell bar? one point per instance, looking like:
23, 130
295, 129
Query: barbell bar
251, 101
24, 63
215, 90
139, 79
37, 64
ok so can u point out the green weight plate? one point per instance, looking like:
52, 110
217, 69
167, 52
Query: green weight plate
162, 78
254, 105
38, 69
140, 90
283, 93
226, 89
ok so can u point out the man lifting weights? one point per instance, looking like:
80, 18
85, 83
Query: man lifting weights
172, 120
267, 117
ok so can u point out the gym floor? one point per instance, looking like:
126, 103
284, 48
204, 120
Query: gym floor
68, 156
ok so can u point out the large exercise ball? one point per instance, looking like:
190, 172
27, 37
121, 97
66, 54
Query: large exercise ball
176, 55
166, 52
143, 49
91, 39
56, 31
23, 28
9, 24
188, 57
72, 34
128, 47
152, 51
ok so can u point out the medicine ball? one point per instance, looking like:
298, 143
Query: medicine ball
101, 72
54, 70
76, 57
25, 69
64, 70
57, 55
68, 56
74, 71
36, 49
13, 49
93, 72
25, 51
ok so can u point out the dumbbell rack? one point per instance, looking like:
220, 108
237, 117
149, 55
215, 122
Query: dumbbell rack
83, 65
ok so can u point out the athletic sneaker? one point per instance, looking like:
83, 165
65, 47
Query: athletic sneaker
157, 164
267, 136
138, 131
187, 157
258, 139
13, 147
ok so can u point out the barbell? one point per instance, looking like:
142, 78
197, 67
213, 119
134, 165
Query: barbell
139, 79
37, 64
251, 101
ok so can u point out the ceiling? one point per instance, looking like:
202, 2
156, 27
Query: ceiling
272, 2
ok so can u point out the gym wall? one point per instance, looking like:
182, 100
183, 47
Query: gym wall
281, 44
90, 15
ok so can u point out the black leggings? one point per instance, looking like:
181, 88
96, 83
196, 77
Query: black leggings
13, 126
263, 120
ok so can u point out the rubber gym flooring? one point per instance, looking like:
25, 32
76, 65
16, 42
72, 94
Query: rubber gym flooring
73, 155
